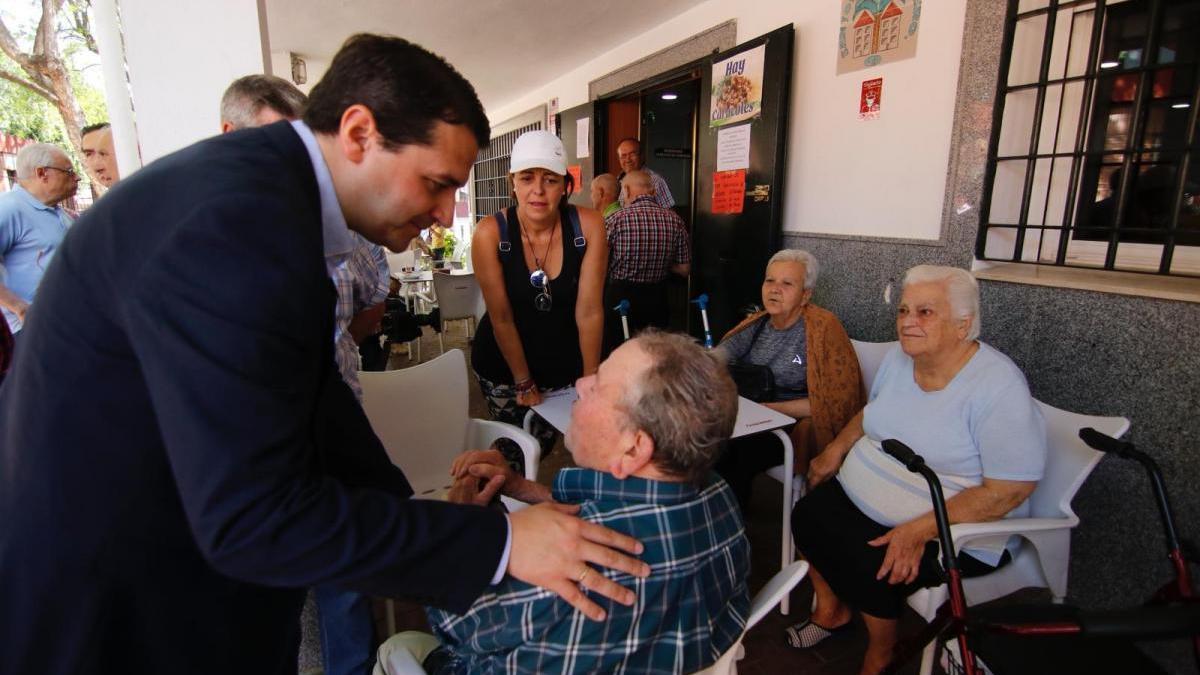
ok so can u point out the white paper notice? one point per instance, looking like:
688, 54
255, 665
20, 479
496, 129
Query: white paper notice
583, 127
733, 148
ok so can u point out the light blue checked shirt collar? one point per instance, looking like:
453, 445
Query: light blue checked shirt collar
339, 241
573, 487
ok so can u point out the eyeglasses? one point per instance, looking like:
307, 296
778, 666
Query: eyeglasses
538, 279
69, 172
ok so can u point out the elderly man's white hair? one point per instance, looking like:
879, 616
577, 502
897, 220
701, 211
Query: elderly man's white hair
961, 289
798, 255
36, 155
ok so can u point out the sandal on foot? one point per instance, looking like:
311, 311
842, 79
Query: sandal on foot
807, 634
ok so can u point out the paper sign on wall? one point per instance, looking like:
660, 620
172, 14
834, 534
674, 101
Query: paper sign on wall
733, 148
583, 127
729, 190
869, 100
577, 175
737, 87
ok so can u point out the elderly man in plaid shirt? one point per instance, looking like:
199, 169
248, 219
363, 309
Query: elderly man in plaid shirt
645, 433
646, 243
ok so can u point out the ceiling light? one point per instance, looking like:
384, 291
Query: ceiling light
1110, 64
1181, 106
669, 97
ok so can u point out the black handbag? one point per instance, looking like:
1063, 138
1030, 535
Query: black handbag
754, 382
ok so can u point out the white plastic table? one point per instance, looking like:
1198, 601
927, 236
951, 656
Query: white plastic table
752, 418
419, 284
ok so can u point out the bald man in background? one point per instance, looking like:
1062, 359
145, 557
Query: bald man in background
604, 194
647, 243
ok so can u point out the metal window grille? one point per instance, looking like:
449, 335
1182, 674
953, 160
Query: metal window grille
492, 192
1094, 158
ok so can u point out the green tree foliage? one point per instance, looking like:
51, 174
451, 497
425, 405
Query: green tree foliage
43, 94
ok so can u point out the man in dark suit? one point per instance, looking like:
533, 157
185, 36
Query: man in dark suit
178, 454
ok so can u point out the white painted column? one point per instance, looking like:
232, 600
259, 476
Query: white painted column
180, 56
116, 87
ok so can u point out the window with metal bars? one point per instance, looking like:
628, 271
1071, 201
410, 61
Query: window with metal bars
492, 192
1095, 157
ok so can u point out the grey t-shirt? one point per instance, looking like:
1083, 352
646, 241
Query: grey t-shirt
783, 351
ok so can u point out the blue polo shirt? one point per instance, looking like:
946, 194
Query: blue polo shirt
30, 233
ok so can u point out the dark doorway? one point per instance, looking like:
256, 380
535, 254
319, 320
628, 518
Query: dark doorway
661, 113
680, 138
668, 138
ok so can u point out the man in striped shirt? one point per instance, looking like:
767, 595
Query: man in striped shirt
645, 433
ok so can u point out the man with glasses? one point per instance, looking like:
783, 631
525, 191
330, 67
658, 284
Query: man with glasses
629, 154
32, 225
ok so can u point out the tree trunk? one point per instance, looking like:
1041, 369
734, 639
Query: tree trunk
46, 71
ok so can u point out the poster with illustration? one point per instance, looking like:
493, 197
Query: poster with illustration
877, 31
737, 87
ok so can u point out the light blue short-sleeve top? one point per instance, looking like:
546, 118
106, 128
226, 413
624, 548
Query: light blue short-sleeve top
983, 424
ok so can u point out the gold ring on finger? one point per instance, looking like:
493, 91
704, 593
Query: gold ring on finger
583, 575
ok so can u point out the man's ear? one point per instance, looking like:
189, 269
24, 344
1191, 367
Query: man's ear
356, 131
638, 454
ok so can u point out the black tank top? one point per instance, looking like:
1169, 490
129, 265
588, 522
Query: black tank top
550, 339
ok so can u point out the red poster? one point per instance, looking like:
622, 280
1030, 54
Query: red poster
729, 191
868, 103
577, 175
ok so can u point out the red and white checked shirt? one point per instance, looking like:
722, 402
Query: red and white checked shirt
645, 241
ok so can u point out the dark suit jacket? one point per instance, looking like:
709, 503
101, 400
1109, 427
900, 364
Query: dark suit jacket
179, 455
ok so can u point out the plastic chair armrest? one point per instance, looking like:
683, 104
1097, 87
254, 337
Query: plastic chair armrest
965, 532
481, 434
780, 585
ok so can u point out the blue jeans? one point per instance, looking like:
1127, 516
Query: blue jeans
347, 631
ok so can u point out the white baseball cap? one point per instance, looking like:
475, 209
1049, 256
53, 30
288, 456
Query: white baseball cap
538, 150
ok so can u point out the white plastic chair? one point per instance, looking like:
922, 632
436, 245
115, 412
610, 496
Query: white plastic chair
400, 662
1044, 556
420, 415
870, 355
764, 601
457, 296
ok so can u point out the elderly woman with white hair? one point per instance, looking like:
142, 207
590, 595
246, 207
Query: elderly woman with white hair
813, 365
966, 408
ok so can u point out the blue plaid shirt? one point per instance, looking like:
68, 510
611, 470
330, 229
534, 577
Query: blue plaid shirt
362, 280
689, 611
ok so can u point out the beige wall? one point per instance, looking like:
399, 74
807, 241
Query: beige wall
880, 178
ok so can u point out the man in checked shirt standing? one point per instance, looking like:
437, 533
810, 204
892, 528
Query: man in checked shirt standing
646, 243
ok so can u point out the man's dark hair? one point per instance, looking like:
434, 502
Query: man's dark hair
407, 88
248, 95
92, 127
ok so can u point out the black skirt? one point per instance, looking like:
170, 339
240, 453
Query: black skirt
832, 534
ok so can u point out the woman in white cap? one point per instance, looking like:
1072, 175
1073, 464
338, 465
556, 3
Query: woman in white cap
541, 266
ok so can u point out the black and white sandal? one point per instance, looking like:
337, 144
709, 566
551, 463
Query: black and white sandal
807, 634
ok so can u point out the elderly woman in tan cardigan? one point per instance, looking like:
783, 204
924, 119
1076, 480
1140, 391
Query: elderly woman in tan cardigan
815, 370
